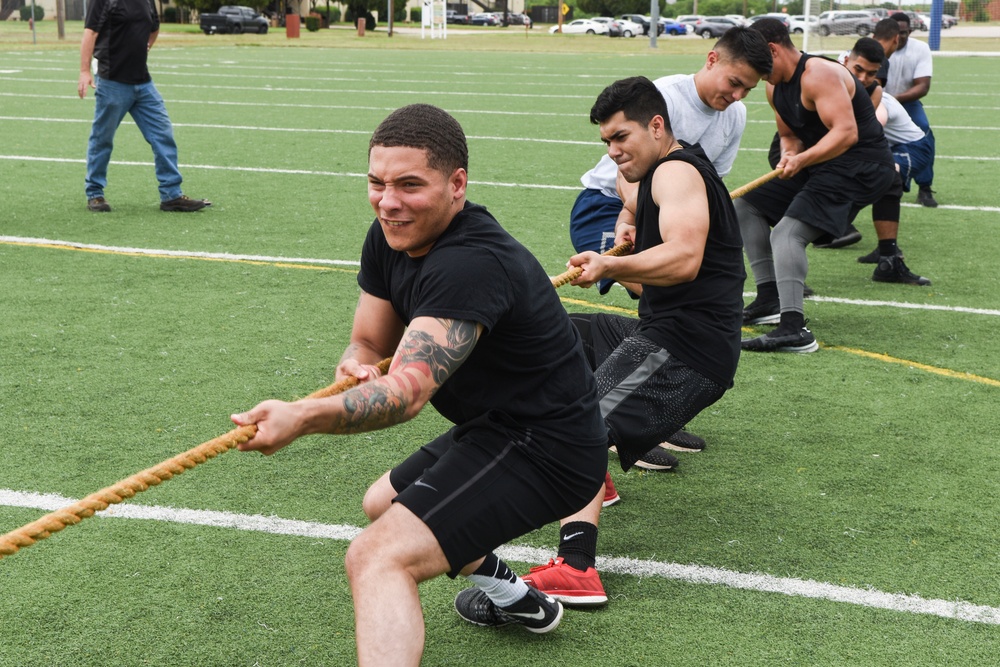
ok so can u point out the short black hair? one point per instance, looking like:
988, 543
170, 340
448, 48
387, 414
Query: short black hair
901, 16
427, 127
774, 31
869, 49
745, 45
886, 28
637, 97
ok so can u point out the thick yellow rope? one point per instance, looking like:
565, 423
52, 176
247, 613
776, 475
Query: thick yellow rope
568, 276
755, 183
53, 522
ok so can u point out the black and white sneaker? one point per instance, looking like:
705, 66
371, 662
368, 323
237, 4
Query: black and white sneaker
762, 312
536, 611
658, 459
801, 341
682, 441
894, 270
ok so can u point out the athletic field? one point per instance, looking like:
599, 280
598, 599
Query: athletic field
844, 513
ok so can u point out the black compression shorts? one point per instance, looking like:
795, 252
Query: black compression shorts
486, 482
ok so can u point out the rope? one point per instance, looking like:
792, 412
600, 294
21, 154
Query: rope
755, 183
55, 521
568, 276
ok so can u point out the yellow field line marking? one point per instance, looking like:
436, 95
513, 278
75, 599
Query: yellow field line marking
944, 372
233, 260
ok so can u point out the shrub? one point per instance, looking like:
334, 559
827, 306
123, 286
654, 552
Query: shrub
26, 12
415, 15
170, 15
313, 22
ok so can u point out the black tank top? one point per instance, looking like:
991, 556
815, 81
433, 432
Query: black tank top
808, 127
699, 321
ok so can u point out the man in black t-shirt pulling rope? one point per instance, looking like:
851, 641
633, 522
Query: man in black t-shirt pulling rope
474, 328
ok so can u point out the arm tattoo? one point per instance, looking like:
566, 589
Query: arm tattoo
382, 403
440, 361
370, 407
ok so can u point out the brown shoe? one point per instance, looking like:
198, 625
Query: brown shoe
184, 204
98, 205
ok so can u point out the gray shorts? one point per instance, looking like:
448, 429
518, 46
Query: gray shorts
646, 393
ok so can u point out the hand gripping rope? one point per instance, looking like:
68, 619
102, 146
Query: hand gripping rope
53, 522
570, 275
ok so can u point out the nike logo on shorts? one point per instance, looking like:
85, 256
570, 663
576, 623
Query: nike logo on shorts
421, 482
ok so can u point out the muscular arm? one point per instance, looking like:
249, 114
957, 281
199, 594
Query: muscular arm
827, 88
430, 350
919, 89
679, 191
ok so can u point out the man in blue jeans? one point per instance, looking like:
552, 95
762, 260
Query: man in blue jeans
120, 33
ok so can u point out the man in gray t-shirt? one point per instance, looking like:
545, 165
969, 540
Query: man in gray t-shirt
704, 109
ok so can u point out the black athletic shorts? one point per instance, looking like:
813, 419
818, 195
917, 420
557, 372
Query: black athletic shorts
647, 394
826, 195
486, 482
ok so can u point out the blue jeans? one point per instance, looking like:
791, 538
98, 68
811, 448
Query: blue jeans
924, 177
144, 103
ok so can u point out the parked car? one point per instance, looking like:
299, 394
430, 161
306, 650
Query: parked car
484, 18
631, 28
520, 19
451, 16
233, 19
846, 23
637, 18
917, 21
582, 27
947, 21
739, 18
614, 28
797, 23
672, 27
711, 27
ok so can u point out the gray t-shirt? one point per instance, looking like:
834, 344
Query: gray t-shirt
717, 132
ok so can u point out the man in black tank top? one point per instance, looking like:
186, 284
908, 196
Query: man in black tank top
836, 161
657, 372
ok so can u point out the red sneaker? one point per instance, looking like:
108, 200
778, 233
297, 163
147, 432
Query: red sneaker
610, 494
568, 584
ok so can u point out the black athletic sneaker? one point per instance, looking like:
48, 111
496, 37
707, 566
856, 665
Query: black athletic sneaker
875, 255
782, 340
682, 441
658, 459
850, 237
537, 612
807, 291
768, 312
893, 270
925, 197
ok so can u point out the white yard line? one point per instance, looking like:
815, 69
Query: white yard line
197, 254
692, 574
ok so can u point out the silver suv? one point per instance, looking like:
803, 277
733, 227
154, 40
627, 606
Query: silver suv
846, 23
